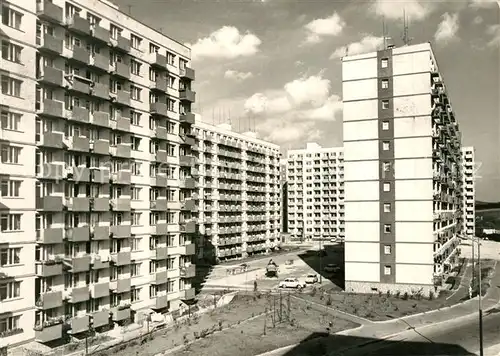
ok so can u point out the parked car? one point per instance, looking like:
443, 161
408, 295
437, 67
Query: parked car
332, 268
291, 283
311, 279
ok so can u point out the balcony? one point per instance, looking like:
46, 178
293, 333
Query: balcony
53, 204
100, 33
79, 294
121, 69
159, 229
99, 61
187, 294
80, 114
121, 285
187, 95
159, 253
50, 44
79, 264
79, 86
49, 300
100, 318
160, 204
121, 43
100, 118
78, 234
159, 181
49, 269
186, 140
188, 271
187, 250
50, 236
159, 84
188, 227
123, 97
79, 324
158, 108
78, 204
78, 143
48, 332
99, 204
120, 313
158, 60
188, 205
52, 108
52, 171
120, 231
51, 76
48, 11
186, 160
100, 175
187, 118
159, 277
161, 156
81, 174
121, 258
161, 302
101, 91
52, 140
123, 124
122, 150
99, 290
161, 133
80, 54
188, 73
78, 24
120, 204
98, 262
188, 183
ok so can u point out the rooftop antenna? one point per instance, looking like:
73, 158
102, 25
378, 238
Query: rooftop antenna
384, 33
406, 27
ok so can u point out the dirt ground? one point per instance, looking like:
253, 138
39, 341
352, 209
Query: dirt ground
244, 337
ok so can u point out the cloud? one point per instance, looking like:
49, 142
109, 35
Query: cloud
280, 131
483, 3
415, 10
447, 29
238, 76
320, 28
227, 42
494, 30
477, 20
368, 43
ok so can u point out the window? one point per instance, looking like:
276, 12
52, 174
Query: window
10, 256
135, 67
385, 125
10, 120
135, 93
135, 269
384, 63
170, 104
385, 104
171, 59
135, 295
387, 270
135, 118
135, 41
11, 52
10, 222
387, 187
387, 249
93, 19
171, 82
387, 228
386, 166
11, 86
136, 244
386, 145
387, 207
10, 188
11, 17
115, 31
385, 84
10, 290
9, 323
10, 154
154, 48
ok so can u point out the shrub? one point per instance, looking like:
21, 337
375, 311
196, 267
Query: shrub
329, 300
196, 335
431, 296
405, 296
398, 294
220, 325
185, 339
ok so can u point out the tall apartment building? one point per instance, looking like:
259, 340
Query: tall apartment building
315, 178
238, 200
95, 170
403, 172
284, 197
469, 191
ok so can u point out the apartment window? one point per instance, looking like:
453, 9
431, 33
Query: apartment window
10, 290
10, 154
115, 31
387, 207
153, 290
135, 93
136, 169
384, 62
387, 249
9, 323
93, 19
170, 105
386, 166
11, 86
11, 17
171, 127
386, 145
171, 59
387, 228
136, 219
10, 256
135, 295
385, 104
153, 75
11, 52
135, 67
171, 150
385, 125
153, 48
10, 188
135, 118
10, 120
385, 84
136, 244
135, 269
135, 41
171, 82
387, 270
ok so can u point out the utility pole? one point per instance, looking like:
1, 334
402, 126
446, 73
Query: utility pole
481, 351
320, 259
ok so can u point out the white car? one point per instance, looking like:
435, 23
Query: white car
311, 279
291, 283
332, 268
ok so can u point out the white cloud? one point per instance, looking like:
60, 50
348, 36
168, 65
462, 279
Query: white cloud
320, 28
477, 20
483, 3
367, 44
236, 75
447, 29
494, 30
415, 10
281, 131
227, 42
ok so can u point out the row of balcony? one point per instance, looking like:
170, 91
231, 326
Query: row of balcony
82, 204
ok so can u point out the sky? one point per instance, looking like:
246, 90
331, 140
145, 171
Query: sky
274, 66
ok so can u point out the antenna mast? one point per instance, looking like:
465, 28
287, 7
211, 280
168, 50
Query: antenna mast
384, 33
406, 27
